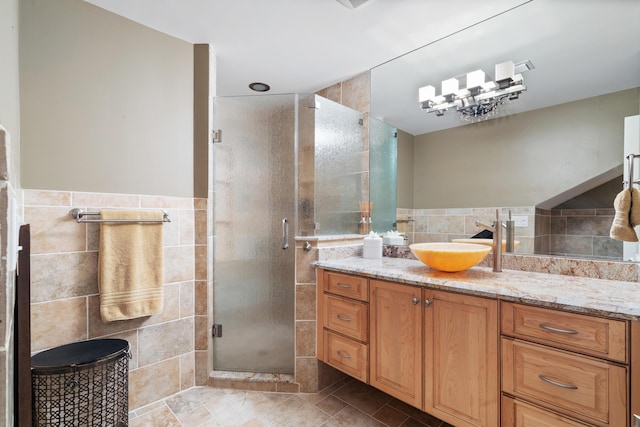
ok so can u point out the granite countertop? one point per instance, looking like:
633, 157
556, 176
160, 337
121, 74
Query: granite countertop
611, 298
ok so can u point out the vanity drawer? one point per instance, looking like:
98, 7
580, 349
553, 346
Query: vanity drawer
578, 386
348, 317
346, 285
516, 413
577, 332
349, 356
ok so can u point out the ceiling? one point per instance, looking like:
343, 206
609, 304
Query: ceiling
301, 46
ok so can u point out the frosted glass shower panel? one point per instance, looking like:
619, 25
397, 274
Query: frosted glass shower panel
254, 191
383, 174
341, 168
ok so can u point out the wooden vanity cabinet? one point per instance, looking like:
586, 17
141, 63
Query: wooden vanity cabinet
550, 372
396, 340
461, 358
343, 323
437, 351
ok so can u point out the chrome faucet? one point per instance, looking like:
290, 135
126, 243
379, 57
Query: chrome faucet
496, 229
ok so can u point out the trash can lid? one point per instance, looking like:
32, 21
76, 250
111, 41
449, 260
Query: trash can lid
79, 353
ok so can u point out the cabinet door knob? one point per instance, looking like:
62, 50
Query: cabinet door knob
415, 301
427, 303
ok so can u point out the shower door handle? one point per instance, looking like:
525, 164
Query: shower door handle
285, 233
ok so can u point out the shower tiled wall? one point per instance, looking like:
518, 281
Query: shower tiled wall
64, 289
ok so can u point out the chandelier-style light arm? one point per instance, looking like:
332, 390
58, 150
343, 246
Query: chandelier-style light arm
479, 98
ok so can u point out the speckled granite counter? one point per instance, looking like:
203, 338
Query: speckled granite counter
592, 296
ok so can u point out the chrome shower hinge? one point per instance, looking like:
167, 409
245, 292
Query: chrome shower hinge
216, 330
216, 135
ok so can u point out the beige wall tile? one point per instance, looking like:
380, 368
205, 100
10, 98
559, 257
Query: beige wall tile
201, 333
178, 264
356, 92
202, 367
165, 202
305, 272
93, 237
59, 322
187, 225
104, 200
154, 382
187, 299
200, 227
170, 311
201, 298
171, 230
307, 374
153, 345
288, 387
132, 338
305, 338
305, 302
52, 230
201, 259
187, 370
64, 286
47, 198
66, 275
334, 93
200, 203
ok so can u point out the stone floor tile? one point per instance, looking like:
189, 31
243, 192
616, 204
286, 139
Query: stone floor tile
351, 417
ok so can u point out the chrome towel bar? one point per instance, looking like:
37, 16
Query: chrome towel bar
629, 181
79, 215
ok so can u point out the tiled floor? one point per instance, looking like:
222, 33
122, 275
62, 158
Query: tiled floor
349, 404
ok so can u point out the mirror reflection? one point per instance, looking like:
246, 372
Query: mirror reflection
553, 158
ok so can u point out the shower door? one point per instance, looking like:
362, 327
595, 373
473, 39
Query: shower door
254, 192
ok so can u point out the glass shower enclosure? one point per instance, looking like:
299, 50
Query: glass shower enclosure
287, 165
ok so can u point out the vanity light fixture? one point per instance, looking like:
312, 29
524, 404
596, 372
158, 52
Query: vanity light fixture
472, 95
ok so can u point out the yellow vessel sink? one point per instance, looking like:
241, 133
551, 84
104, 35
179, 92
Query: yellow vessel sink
486, 242
450, 256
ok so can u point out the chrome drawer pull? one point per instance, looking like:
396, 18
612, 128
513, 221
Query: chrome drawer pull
557, 384
560, 331
343, 318
344, 356
342, 285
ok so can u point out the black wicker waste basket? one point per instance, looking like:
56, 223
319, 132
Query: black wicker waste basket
82, 384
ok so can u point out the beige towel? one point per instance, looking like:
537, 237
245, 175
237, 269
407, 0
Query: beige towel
634, 217
130, 265
621, 228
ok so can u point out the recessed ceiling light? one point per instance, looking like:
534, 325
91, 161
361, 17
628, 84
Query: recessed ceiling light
259, 87
352, 4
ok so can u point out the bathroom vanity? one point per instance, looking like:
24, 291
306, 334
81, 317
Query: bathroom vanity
478, 348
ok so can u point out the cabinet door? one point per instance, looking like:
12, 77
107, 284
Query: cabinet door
396, 340
461, 359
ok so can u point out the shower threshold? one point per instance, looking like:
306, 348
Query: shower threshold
256, 381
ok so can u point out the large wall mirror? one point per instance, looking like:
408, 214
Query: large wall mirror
559, 146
